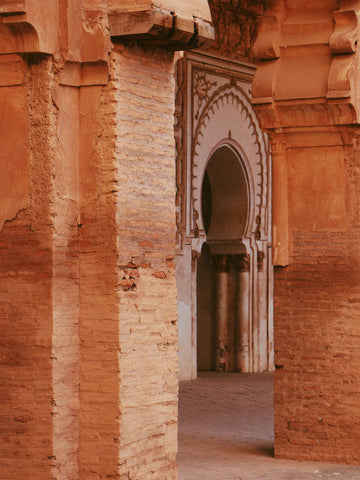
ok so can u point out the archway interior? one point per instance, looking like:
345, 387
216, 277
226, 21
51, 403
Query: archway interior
225, 211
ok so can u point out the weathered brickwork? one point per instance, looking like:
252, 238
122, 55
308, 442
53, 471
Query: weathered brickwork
88, 334
146, 236
317, 311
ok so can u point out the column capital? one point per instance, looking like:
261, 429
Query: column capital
221, 263
241, 262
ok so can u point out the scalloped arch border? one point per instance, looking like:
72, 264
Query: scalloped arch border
257, 179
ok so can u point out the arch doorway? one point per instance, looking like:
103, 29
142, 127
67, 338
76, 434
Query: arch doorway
223, 337
224, 274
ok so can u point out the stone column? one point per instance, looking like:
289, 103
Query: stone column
262, 311
242, 323
222, 347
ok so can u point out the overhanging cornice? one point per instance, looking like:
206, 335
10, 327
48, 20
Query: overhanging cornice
172, 24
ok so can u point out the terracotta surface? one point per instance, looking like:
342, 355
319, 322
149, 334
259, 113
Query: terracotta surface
83, 264
87, 230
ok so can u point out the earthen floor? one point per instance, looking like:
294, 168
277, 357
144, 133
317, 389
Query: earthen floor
226, 433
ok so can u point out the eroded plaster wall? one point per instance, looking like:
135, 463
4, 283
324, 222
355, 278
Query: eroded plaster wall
39, 270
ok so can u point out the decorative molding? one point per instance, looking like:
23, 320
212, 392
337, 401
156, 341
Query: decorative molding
195, 255
180, 148
206, 89
267, 45
233, 96
12, 7
343, 43
77, 34
24, 30
322, 41
260, 261
201, 89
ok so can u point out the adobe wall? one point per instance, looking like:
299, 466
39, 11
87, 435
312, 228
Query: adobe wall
306, 96
88, 297
316, 306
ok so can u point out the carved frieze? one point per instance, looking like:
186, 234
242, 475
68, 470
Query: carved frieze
236, 24
221, 263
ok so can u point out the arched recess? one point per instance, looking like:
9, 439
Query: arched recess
222, 334
215, 122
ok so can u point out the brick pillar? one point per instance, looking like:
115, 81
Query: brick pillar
145, 228
305, 98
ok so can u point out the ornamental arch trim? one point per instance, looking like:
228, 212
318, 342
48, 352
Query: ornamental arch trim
227, 119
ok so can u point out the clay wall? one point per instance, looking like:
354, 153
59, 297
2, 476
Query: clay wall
98, 281
88, 296
317, 307
313, 125
39, 265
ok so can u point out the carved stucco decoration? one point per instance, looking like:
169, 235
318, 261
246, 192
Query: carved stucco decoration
214, 109
238, 128
181, 142
236, 23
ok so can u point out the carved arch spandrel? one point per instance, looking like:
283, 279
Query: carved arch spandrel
228, 119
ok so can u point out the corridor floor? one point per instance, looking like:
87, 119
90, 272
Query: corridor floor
226, 433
